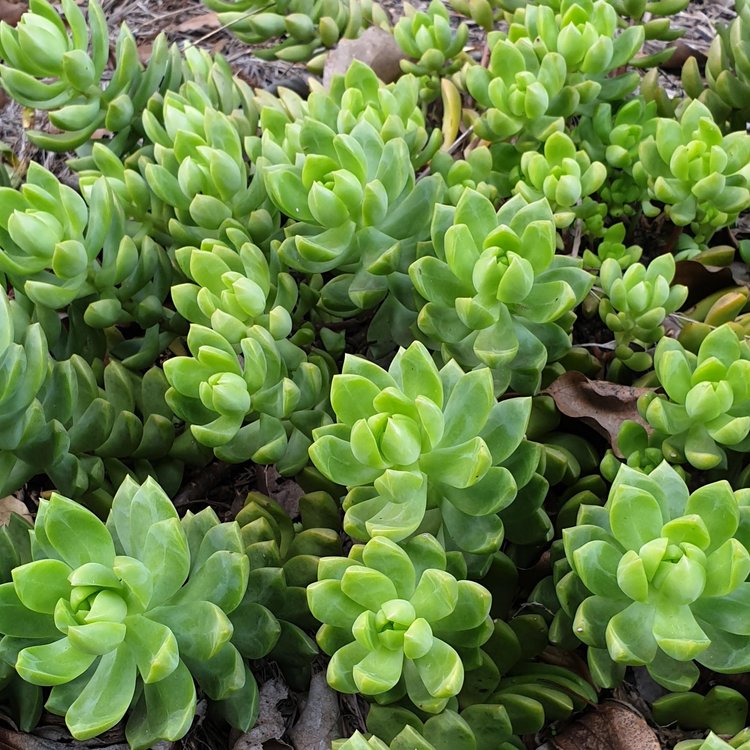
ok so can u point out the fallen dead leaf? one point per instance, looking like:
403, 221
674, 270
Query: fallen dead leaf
375, 47
271, 725
609, 726
602, 405
680, 56
319, 722
11, 12
198, 23
12, 504
701, 280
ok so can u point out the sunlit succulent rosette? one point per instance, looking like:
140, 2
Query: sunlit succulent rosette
740, 741
100, 618
664, 571
477, 172
520, 95
195, 180
612, 246
289, 121
298, 30
258, 400
699, 174
635, 304
422, 448
584, 32
496, 292
56, 63
434, 47
356, 208
706, 409
234, 287
566, 178
392, 619
658, 25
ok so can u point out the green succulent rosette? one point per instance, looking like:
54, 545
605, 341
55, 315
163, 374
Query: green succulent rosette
123, 617
658, 577
497, 294
419, 447
565, 177
614, 137
392, 619
699, 174
356, 207
636, 304
436, 50
706, 408
740, 741
480, 726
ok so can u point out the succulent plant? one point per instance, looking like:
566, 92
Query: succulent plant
636, 303
260, 403
46, 46
614, 138
98, 616
612, 247
427, 38
300, 29
721, 709
658, 577
496, 292
391, 616
706, 408
416, 446
740, 741
695, 171
562, 175
479, 726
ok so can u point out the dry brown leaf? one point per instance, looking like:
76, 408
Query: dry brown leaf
375, 47
701, 280
680, 56
9, 505
610, 726
199, 23
319, 722
11, 12
602, 405
271, 725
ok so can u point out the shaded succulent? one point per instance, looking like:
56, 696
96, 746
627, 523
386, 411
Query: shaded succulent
636, 303
721, 709
698, 173
706, 407
497, 294
480, 726
422, 448
391, 616
658, 575
612, 247
614, 138
98, 617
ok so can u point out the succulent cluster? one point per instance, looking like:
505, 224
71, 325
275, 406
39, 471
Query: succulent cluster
657, 574
383, 303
